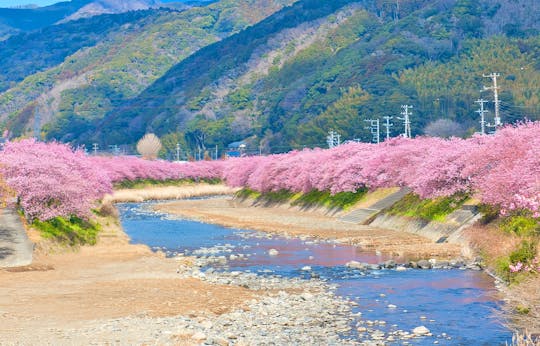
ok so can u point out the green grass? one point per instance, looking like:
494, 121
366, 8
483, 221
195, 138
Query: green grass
341, 200
314, 198
524, 254
276, 197
521, 223
428, 209
142, 183
71, 231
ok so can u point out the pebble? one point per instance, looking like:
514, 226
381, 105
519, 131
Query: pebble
199, 336
421, 330
273, 252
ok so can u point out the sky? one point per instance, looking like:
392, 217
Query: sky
10, 3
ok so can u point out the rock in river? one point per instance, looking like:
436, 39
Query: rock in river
424, 264
420, 331
357, 265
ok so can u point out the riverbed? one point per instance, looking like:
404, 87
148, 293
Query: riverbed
458, 307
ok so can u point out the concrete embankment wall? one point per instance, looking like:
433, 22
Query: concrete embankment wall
450, 230
440, 232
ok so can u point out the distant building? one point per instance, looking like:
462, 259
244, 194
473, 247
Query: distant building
236, 149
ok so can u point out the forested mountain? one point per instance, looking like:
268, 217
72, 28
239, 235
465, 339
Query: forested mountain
28, 53
15, 20
116, 65
286, 80
318, 66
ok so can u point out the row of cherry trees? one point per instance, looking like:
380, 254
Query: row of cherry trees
51, 179
502, 169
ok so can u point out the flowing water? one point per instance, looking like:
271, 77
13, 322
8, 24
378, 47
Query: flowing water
459, 307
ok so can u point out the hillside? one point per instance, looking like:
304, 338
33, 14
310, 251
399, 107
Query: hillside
93, 80
28, 53
318, 66
25, 19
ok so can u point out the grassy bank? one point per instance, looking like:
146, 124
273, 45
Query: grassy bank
69, 232
312, 199
428, 209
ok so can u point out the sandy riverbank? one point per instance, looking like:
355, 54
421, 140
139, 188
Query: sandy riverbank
231, 212
49, 301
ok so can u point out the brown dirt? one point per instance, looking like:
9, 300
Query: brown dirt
110, 280
283, 219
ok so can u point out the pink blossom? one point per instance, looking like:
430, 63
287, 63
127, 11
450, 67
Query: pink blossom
516, 268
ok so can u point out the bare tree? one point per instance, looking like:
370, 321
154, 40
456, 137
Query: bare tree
149, 146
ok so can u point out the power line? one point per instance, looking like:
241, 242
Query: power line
374, 127
387, 124
495, 88
482, 113
333, 139
406, 120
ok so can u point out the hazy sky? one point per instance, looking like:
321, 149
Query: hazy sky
9, 3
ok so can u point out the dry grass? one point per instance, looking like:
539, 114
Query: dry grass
167, 192
491, 242
522, 297
525, 339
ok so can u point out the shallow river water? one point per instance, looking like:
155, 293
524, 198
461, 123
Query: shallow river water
458, 306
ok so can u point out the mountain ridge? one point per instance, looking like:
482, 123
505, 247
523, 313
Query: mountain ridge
282, 80
337, 82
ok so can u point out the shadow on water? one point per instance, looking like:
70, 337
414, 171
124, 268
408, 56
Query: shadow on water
459, 307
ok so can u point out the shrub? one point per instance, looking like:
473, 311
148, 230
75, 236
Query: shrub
522, 224
524, 254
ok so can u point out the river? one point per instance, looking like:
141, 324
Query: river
459, 307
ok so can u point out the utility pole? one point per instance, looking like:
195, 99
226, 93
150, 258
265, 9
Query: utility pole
375, 129
95, 148
114, 149
495, 88
387, 125
177, 151
333, 139
406, 120
482, 113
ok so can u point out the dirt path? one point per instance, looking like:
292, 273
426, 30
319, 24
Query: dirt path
15, 248
292, 221
98, 284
